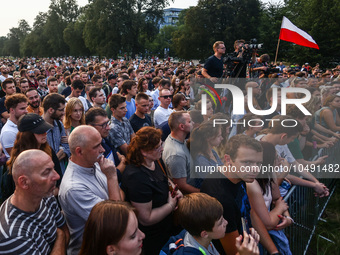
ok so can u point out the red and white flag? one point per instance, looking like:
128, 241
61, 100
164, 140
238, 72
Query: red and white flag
291, 33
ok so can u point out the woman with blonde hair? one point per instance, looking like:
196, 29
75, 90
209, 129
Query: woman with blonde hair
74, 115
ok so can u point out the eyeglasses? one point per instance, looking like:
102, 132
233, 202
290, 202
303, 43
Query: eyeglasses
166, 97
104, 125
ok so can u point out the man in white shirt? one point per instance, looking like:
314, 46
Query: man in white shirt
5, 73
163, 112
17, 106
77, 87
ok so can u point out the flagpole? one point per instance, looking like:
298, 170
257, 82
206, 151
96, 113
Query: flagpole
277, 51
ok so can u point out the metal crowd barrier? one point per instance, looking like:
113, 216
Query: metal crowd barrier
306, 209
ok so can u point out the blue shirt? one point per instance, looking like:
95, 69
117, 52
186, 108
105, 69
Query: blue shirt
131, 108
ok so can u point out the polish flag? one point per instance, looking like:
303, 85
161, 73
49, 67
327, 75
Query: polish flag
291, 33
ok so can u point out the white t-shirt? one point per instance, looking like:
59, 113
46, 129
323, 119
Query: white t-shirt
83, 100
282, 150
161, 115
2, 78
8, 135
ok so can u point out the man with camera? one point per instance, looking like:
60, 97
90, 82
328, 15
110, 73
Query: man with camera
260, 67
240, 68
213, 67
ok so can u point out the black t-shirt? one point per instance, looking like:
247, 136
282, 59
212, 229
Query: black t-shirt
142, 185
233, 199
137, 123
67, 91
214, 66
240, 68
2, 105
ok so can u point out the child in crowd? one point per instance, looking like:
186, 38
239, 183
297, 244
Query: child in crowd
202, 218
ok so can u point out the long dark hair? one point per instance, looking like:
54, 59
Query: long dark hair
198, 142
26, 141
269, 155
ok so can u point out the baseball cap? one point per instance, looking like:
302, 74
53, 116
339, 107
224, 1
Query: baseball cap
34, 123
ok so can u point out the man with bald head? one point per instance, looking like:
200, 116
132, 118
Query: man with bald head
30, 220
89, 179
163, 111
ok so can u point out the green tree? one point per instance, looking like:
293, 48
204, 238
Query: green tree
162, 40
320, 19
114, 26
60, 14
269, 30
214, 20
73, 37
3, 40
35, 43
16, 37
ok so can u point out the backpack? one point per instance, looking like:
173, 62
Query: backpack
175, 246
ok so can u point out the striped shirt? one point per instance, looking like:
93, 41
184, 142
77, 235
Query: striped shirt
29, 233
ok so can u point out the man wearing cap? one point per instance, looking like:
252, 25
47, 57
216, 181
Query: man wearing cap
17, 106
30, 220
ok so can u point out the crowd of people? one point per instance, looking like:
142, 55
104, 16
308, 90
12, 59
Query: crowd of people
103, 156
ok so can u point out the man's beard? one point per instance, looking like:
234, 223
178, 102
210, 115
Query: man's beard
55, 116
37, 104
5, 72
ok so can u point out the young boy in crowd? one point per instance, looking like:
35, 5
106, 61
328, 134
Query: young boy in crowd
202, 218
129, 89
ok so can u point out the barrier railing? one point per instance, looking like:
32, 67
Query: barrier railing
305, 208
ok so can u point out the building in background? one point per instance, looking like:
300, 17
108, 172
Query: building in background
170, 16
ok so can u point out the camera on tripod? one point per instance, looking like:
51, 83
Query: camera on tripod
236, 61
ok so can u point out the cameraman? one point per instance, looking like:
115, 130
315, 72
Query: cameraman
213, 67
240, 68
259, 69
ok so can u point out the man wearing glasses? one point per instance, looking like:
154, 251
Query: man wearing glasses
163, 112
97, 118
213, 67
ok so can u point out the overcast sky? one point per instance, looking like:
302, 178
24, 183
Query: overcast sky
14, 10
